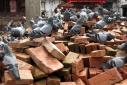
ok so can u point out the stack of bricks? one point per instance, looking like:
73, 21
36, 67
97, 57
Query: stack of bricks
74, 62
55, 64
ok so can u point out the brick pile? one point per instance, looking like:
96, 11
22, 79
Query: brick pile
50, 61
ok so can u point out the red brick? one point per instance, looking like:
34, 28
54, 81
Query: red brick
38, 74
53, 81
117, 42
38, 41
74, 47
24, 66
82, 48
62, 47
102, 47
23, 57
43, 60
71, 46
94, 71
82, 30
67, 83
84, 75
88, 49
98, 53
85, 59
80, 82
81, 39
66, 73
53, 50
20, 44
91, 47
72, 38
109, 77
41, 82
124, 82
70, 58
25, 78
123, 71
77, 66
96, 62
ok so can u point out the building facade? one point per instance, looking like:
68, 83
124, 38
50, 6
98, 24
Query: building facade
124, 7
10, 9
36, 7
120, 6
30, 8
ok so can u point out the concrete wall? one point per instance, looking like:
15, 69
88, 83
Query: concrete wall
32, 8
118, 6
50, 5
123, 2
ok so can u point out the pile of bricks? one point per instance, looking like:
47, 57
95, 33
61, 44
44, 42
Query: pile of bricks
54, 61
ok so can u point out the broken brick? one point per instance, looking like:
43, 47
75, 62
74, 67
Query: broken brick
91, 47
109, 77
98, 53
67, 83
62, 48
79, 39
38, 41
23, 57
94, 71
41, 82
85, 59
66, 74
25, 78
123, 71
84, 75
110, 51
20, 44
77, 66
102, 47
80, 82
24, 66
51, 48
53, 81
82, 48
70, 58
97, 62
74, 47
124, 82
44, 61
38, 74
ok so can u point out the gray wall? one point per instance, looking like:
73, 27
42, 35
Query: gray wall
32, 8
